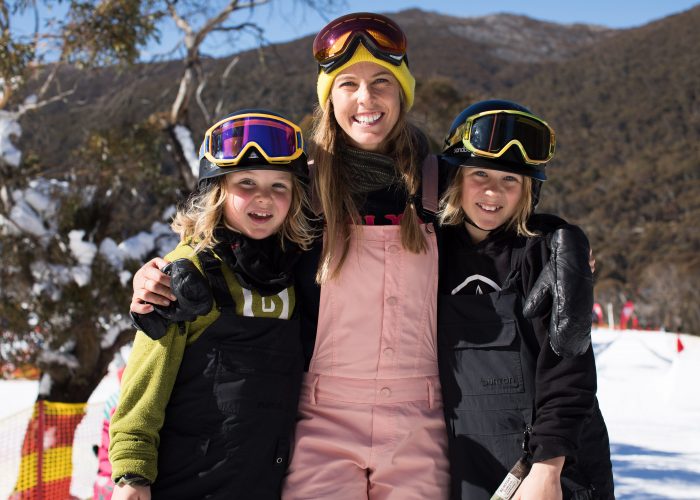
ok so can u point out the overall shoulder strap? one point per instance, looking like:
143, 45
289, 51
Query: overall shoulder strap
517, 254
313, 197
430, 184
212, 270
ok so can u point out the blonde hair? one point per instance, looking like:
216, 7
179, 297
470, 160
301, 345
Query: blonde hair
451, 212
197, 219
334, 199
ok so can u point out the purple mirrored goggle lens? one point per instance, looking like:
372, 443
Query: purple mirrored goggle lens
276, 139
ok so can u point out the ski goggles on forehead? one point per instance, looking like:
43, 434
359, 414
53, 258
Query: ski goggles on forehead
336, 42
228, 141
491, 133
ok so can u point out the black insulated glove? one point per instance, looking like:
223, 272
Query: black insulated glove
566, 286
152, 324
194, 297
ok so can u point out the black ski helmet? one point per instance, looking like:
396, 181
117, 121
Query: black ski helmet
253, 160
511, 161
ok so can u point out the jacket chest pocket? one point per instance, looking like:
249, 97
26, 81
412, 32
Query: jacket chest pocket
484, 357
480, 347
254, 364
245, 387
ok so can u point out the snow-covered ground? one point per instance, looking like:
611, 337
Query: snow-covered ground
649, 394
650, 397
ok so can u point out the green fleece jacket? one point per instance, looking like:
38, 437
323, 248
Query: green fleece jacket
152, 369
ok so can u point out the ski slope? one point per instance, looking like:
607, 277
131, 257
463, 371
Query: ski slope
648, 392
650, 397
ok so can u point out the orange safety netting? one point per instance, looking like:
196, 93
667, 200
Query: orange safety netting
46, 465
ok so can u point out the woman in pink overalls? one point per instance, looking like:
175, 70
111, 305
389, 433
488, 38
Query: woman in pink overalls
371, 423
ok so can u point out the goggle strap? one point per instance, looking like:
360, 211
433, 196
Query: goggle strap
366, 40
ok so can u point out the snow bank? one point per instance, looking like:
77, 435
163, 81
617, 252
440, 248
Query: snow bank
650, 399
184, 137
9, 126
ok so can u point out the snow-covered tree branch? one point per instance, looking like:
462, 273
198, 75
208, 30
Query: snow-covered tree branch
70, 238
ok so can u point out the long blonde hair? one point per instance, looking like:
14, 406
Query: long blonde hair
451, 212
197, 219
334, 199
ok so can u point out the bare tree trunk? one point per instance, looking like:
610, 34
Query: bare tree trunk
182, 99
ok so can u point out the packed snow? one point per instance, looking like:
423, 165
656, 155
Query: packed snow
648, 392
650, 397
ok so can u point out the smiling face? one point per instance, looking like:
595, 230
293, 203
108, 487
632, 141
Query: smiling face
489, 198
257, 201
366, 104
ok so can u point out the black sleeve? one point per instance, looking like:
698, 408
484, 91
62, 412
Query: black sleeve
564, 388
545, 223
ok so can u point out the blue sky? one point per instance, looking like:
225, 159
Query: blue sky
285, 20
616, 14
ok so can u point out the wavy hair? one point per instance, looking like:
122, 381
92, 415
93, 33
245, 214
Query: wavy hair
197, 219
334, 200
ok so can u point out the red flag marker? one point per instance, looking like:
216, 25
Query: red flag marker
679, 344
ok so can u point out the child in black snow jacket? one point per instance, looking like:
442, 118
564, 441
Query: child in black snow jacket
513, 384
210, 393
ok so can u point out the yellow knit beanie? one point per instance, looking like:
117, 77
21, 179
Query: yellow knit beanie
402, 74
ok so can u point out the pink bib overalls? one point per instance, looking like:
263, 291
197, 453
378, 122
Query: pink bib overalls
371, 424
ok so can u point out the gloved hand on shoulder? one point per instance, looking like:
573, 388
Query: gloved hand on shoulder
194, 298
566, 286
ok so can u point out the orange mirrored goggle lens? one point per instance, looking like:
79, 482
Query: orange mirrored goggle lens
335, 38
